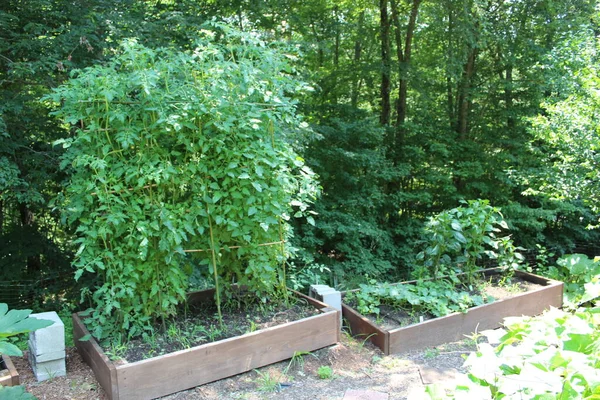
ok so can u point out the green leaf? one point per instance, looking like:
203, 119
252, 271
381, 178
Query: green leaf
15, 393
10, 349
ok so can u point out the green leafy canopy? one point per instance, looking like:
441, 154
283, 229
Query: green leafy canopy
182, 150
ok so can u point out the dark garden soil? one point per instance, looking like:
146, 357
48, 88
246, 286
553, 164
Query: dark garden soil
199, 324
495, 287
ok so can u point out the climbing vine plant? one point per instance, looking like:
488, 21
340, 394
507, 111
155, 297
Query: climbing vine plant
180, 158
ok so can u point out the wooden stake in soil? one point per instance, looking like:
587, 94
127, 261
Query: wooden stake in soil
214, 262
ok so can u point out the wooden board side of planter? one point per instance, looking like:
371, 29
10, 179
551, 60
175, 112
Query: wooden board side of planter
12, 378
362, 328
92, 354
454, 327
185, 369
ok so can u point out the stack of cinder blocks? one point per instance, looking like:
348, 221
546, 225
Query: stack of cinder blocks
327, 295
47, 348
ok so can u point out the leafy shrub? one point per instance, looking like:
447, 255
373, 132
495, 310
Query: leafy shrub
352, 235
552, 356
455, 240
581, 277
180, 159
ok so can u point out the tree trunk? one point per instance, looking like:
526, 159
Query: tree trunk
508, 99
384, 117
404, 57
356, 62
27, 220
1, 216
464, 98
449, 85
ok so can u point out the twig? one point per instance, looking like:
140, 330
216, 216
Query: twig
232, 247
130, 189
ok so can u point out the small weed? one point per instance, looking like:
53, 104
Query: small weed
253, 326
297, 360
325, 372
116, 350
473, 338
211, 333
266, 383
431, 353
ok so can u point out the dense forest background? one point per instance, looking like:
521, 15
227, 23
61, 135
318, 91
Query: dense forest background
416, 105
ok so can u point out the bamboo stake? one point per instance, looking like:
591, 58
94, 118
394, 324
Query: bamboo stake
232, 247
214, 262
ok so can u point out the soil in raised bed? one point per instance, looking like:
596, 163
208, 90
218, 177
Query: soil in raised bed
199, 324
494, 287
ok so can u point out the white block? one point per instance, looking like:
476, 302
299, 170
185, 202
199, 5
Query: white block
50, 339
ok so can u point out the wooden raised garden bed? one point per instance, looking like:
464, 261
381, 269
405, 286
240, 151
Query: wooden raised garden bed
163, 375
8, 373
455, 326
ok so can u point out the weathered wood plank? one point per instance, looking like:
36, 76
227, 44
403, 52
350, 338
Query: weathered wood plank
363, 329
455, 326
12, 379
93, 355
184, 369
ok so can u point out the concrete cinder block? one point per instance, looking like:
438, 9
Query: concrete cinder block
327, 295
50, 339
47, 348
42, 357
49, 369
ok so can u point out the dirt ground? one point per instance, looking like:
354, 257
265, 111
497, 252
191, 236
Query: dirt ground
355, 366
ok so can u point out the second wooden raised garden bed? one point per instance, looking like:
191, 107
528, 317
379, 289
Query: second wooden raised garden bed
163, 375
8, 373
454, 327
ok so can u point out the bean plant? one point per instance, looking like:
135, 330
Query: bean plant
181, 158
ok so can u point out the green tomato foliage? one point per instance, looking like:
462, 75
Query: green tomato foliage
181, 150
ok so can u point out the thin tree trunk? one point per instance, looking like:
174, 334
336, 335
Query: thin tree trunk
464, 99
356, 62
508, 99
449, 86
1, 216
27, 219
384, 117
404, 59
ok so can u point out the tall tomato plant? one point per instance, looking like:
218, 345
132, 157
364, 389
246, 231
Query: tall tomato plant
177, 151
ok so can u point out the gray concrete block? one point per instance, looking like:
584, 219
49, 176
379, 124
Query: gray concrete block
327, 295
49, 369
50, 339
42, 357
